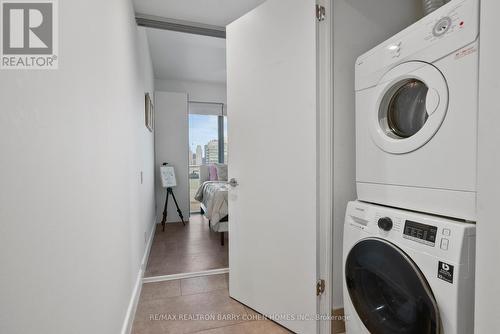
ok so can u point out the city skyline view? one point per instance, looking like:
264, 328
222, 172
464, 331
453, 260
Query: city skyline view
203, 132
202, 129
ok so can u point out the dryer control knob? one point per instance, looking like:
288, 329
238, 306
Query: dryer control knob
385, 223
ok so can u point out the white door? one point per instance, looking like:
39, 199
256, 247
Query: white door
272, 122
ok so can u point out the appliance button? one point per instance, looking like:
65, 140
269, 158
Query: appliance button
446, 231
385, 223
444, 244
442, 27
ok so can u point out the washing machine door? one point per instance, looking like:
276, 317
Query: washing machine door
388, 291
412, 104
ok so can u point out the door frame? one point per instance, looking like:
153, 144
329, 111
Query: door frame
325, 164
324, 257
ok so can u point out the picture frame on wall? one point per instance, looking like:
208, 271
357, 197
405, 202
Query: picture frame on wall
149, 113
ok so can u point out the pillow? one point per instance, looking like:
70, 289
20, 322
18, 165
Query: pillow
221, 172
212, 173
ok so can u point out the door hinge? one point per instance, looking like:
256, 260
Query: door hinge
320, 287
320, 13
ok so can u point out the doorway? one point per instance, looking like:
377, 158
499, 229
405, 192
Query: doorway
190, 136
279, 235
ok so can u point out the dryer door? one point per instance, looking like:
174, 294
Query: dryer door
413, 100
388, 291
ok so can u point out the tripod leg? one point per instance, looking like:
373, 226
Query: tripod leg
164, 219
177, 206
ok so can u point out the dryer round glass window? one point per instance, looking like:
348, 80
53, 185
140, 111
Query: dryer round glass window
411, 101
405, 108
388, 291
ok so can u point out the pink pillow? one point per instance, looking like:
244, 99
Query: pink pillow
212, 173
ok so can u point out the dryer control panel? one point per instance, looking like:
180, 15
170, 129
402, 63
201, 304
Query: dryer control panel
449, 28
453, 21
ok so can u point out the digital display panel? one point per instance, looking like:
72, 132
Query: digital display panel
426, 233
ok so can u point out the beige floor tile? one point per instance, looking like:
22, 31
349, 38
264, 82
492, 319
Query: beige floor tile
252, 313
203, 284
252, 327
148, 327
216, 308
160, 290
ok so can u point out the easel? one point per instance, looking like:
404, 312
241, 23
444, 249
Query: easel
170, 191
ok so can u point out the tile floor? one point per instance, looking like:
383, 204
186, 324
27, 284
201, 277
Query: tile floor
185, 249
171, 306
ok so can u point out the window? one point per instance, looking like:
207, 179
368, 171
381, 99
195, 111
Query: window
406, 110
207, 142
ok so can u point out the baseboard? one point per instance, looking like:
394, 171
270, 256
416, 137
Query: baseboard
136, 293
338, 323
186, 275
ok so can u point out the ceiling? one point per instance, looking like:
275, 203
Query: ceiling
212, 12
182, 56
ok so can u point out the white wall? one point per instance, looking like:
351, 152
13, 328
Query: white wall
73, 211
358, 25
488, 225
146, 140
172, 146
197, 91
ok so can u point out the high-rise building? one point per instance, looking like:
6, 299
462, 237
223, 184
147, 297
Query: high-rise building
212, 152
199, 155
191, 157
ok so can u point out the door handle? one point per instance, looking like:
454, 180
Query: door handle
233, 183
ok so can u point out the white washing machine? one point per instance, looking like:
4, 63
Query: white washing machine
407, 273
416, 115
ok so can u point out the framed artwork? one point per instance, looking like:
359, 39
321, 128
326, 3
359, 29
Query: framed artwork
149, 113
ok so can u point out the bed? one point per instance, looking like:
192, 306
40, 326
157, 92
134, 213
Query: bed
212, 196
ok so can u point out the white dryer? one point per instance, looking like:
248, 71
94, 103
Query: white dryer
416, 115
407, 273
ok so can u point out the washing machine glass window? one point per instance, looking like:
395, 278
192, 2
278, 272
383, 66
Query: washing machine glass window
406, 111
388, 291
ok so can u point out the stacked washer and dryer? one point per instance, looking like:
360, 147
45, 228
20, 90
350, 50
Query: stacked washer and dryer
409, 240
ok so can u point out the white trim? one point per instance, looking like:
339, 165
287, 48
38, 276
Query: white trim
136, 293
325, 164
185, 275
